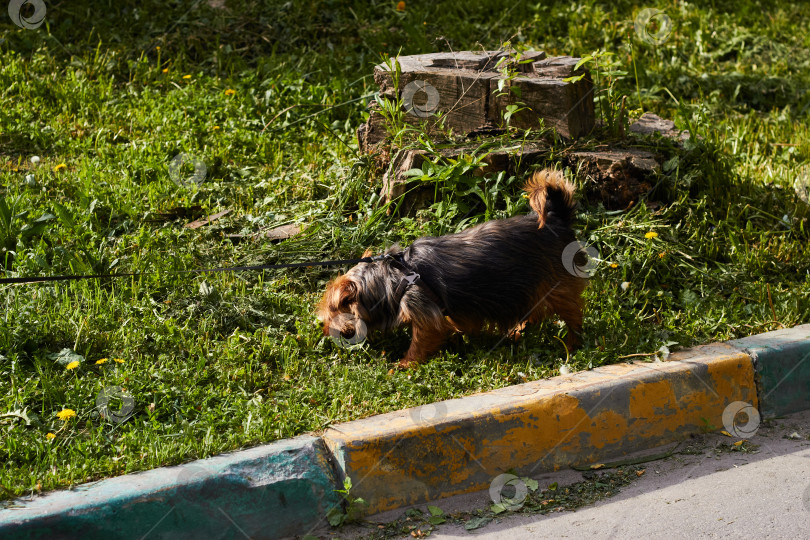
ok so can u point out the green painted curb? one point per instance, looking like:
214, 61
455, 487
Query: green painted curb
783, 370
276, 490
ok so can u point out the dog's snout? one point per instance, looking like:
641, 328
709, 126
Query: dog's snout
348, 333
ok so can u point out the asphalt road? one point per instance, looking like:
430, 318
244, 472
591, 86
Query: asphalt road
707, 492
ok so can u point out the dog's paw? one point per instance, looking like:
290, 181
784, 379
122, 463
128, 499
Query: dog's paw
405, 363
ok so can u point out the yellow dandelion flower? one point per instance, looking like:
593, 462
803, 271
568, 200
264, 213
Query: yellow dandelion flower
73, 365
229, 92
66, 414
651, 234
614, 265
118, 360
101, 361
215, 128
50, 436
165, 70
158, 47
400, 6
59, 167
186, 76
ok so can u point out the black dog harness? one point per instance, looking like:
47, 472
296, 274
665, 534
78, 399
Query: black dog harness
410, 279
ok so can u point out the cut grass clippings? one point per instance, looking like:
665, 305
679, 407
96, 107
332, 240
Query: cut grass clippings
523, 496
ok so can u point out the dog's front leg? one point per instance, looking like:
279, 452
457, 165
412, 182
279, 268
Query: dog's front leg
425, 341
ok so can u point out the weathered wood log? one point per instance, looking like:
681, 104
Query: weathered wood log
650, 123
464, 88
567, 107
282, 232
206, 221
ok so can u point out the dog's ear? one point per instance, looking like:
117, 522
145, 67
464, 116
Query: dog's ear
368, 253
347, 293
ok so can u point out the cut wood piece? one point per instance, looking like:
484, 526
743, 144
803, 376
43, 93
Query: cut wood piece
205, 221
484, 60
463, 87
650, 123
618, 176
544, 98
558, 67
462, 60
282, 232
394, 180
605, 160
371, 133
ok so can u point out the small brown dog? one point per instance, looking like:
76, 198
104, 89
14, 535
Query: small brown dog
505, 273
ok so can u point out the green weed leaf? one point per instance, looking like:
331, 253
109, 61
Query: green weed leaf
435, 510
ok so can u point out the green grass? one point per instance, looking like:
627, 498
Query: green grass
221, 361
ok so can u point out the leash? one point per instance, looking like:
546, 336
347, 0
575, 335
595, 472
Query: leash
45, 279
410, 279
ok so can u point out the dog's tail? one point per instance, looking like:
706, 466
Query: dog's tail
549, 194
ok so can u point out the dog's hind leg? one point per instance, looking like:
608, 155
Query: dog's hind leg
566, 302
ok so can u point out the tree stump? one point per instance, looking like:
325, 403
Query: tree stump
464, 87
472, 91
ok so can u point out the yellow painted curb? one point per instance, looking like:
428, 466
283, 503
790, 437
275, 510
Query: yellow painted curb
461, 445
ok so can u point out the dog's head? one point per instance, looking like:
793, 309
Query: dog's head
341, 310
338, 308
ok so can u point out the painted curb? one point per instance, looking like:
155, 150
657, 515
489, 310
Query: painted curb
270, 491
459, 446
783, 371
